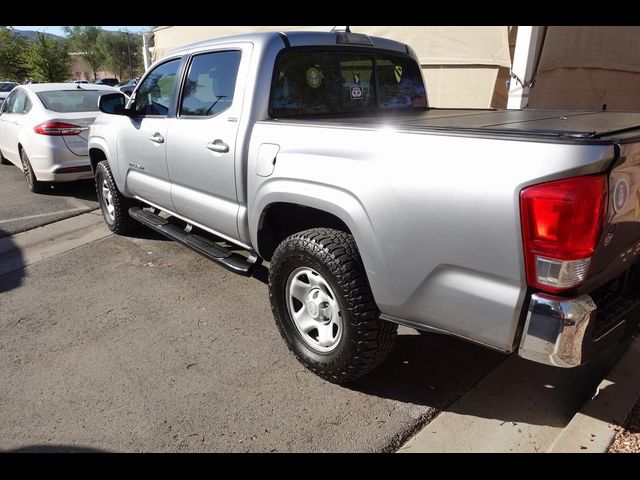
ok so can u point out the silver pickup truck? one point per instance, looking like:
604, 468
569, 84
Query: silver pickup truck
517, 230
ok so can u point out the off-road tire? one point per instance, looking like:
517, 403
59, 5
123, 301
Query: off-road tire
121, 223
366, 340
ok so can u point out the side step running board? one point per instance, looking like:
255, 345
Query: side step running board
232, 261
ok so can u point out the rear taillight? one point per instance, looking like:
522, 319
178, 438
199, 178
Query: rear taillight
57, 129
561, 225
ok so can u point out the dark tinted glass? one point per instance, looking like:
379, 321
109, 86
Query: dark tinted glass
358, 83
7, 86
309, 82
210, 84
306, 82
400, 83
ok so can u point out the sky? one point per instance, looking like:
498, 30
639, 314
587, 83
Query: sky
58, 30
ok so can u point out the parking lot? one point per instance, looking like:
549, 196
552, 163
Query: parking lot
139, 344
20, 210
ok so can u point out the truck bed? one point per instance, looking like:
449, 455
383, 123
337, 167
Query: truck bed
547, 125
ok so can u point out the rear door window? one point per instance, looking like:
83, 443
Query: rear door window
8, 103
210, 84
19, 102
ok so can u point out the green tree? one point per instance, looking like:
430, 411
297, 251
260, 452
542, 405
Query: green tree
122, 52
84, 40
48, 59
13, 65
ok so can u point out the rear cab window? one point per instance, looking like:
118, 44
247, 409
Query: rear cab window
308, 82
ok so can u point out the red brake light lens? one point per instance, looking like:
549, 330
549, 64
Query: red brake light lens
57, 129
561, 224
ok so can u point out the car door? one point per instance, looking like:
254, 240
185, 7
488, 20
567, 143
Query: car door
142, 136
202, 139
9, 126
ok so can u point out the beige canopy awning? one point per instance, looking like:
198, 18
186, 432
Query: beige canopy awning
433, 45
609, 48
460, 64
172, 37
451, 45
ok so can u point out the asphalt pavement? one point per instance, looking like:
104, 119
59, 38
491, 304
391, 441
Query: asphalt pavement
21, 210
139, 345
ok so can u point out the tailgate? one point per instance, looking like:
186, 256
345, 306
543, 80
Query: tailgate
619, 245
614, 279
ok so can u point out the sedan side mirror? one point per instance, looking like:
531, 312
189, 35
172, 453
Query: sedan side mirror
113, 104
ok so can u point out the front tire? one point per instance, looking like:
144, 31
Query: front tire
324, 308
33, 183
114, 205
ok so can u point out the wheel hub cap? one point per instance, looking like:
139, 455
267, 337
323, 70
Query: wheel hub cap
107, 199
314, 309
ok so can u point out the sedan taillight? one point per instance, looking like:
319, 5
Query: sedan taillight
58, 129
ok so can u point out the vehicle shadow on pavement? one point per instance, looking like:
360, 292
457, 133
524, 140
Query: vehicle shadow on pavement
11, 264
436, 370
261, 273
429, 369
54, 449
80, 189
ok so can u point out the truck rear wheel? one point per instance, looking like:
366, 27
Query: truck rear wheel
324, 308
114, 205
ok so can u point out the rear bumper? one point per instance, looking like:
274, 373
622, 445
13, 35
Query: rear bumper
569, 332
52, 161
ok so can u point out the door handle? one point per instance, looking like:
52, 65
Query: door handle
157, 138
218, 146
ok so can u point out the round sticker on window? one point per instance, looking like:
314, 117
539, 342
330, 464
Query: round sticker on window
314, 77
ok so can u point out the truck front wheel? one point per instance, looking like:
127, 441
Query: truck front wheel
114, 205
324, 308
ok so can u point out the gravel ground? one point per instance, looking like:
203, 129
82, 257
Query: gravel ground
627, 438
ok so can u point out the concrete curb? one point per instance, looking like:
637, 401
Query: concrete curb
592, 429
24, 249
524, 407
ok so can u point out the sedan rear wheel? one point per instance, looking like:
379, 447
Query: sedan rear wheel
33, 183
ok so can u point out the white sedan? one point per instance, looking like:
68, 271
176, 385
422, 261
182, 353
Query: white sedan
44, 129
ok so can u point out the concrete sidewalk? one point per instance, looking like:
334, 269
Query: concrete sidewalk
592, 429
525, 407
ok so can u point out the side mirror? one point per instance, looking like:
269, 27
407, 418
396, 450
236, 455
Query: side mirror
113, 104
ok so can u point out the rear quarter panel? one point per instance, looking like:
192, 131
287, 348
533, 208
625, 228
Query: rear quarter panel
436, 218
